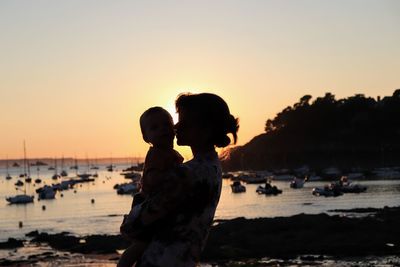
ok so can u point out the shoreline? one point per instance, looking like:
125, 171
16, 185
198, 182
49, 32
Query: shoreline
314, 238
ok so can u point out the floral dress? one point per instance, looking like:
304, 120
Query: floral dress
179, 219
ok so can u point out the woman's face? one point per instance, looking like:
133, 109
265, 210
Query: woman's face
188, 132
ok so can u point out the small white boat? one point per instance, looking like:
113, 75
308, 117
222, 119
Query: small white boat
297, 183
331, 190
268, 189
346, 186
20, 199
127, 188
237, 187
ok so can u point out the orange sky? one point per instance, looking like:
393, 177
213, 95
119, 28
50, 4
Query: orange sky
76, 75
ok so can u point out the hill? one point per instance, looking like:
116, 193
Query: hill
357, 131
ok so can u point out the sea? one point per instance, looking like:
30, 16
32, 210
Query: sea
96, 208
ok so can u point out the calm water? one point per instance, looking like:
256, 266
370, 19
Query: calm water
75, 213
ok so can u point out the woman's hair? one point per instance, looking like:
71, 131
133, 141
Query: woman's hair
146, 115
210, 111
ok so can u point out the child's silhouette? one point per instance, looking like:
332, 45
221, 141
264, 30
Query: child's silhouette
158, 130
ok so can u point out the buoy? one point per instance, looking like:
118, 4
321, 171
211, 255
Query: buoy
20, 224
92, 200
43, 207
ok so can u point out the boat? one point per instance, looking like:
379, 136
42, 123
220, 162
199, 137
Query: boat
127, 188
353, 188
20, 199
94, 166
346, 186
55, 175
64, 185
132, 175
251, 178
237, 187
8, 176
331, 190
63, 172
110, 167
297, 183
84, 175
19, 183
268, 189
46, 192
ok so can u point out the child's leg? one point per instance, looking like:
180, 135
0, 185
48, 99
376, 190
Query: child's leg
132, 254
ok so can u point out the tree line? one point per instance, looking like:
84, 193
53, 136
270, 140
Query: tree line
357, 131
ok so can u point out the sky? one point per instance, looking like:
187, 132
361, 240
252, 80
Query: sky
75, 76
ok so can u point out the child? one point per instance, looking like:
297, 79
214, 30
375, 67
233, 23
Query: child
158, 130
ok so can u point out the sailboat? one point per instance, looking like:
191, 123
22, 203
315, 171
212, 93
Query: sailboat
22, 198
110, 167
95, 167
63, 172
56, 175
8, 176
38, 180
28, 178
86, 174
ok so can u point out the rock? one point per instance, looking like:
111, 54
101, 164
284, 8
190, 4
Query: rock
11, 243
32, 233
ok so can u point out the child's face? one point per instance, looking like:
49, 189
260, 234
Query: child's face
159, 130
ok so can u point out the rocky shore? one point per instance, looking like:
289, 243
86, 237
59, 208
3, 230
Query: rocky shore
310, 237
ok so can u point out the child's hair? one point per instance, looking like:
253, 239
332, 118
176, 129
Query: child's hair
210, 111
147, 114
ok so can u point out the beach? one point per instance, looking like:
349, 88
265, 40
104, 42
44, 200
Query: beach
301, 240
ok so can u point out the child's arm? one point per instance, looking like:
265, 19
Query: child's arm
157, 163
166, 201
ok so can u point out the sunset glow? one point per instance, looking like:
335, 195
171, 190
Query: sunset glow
76, 75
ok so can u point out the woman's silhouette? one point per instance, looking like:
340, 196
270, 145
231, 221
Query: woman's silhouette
179, 218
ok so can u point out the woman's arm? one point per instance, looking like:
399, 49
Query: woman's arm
172, 194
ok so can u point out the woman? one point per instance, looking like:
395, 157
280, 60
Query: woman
180, 217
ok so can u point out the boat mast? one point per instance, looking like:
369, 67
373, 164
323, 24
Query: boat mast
24, 159
8, 174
